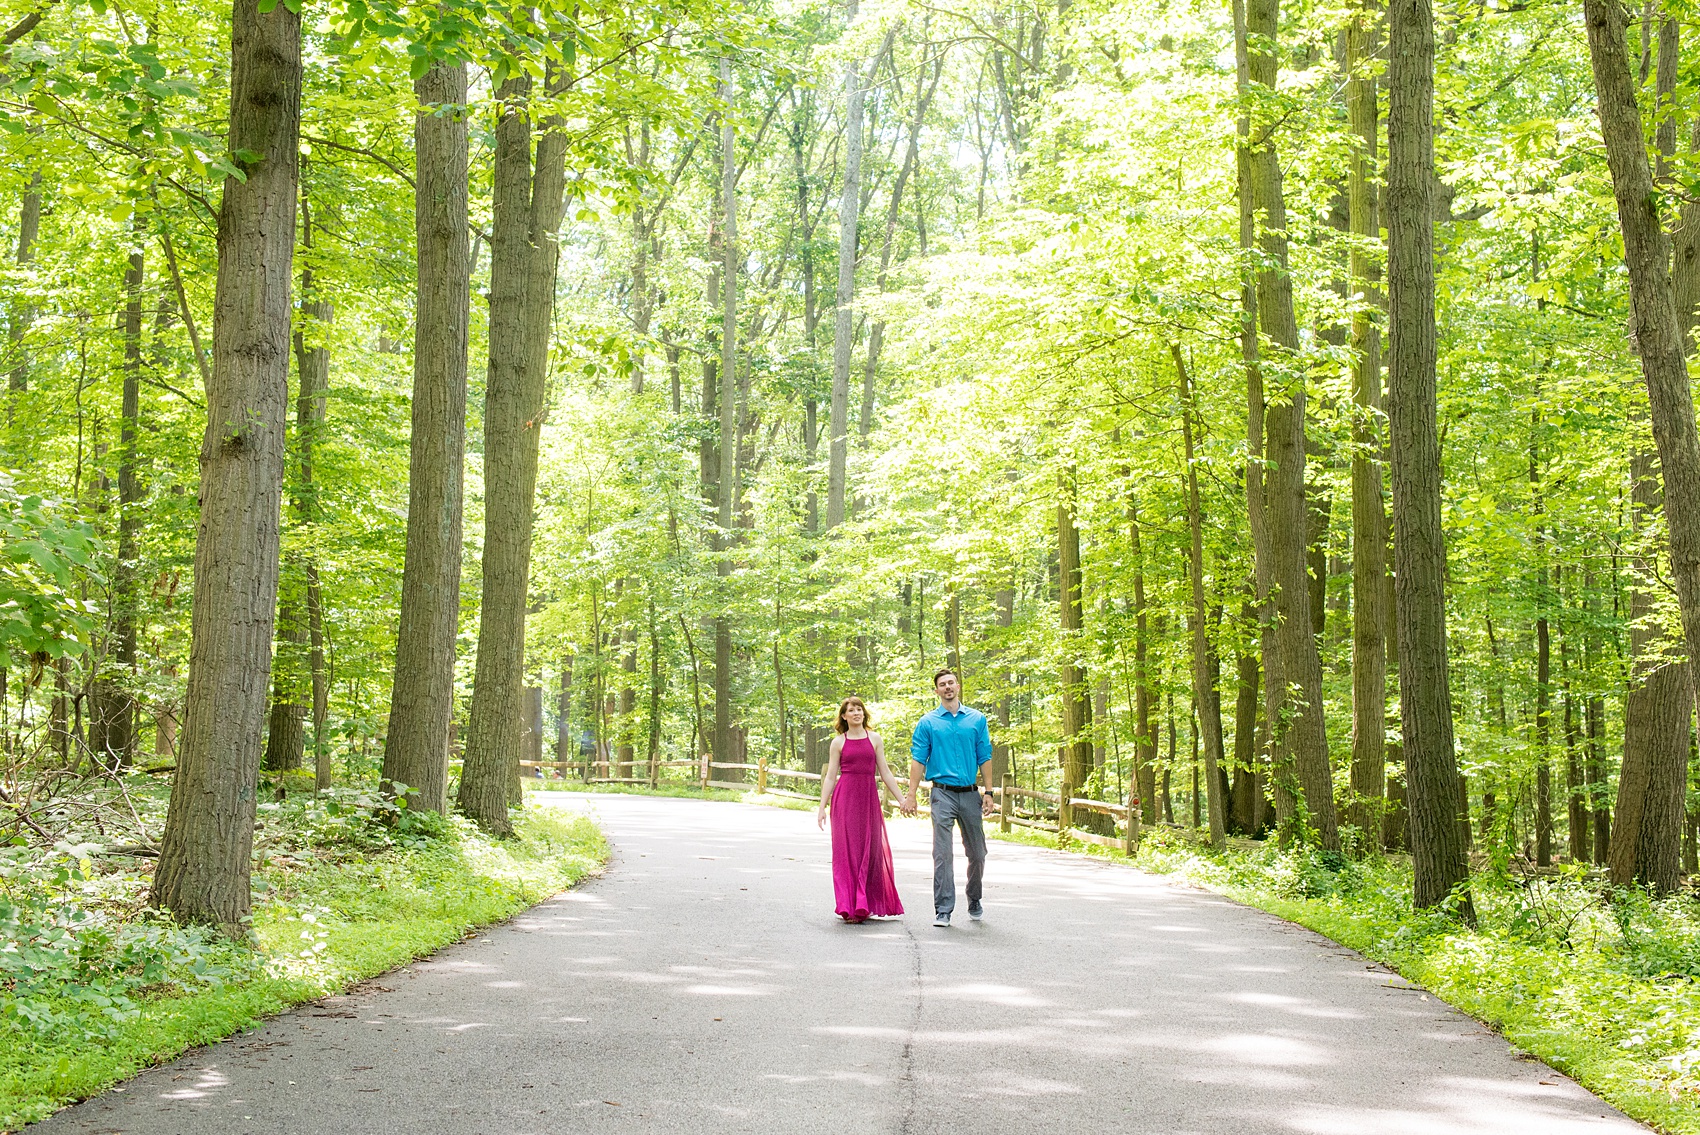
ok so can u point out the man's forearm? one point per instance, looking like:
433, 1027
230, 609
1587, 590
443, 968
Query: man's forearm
916, 771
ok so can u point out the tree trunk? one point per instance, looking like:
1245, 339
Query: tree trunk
286, 727
1647, 829
120, 702
1298, 734
726, 490
1144, 725
526, 211
1543, 662
844, 329
1204, 692
1646, 836
1419, 570
1369, 516
628, 702
1245, 813
911, 160
1005, 600
1262, 564
1076, 703
23, 315
206, 850
1575, 779
564, 716
316, 663
1654, 326
416, 750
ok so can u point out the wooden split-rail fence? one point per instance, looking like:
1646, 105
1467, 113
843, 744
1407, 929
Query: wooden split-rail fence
1056, 812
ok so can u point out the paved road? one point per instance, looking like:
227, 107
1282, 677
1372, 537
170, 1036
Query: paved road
704, 985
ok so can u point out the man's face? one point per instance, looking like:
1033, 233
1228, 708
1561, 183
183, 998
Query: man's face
947, 688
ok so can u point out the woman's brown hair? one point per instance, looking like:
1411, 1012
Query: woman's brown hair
839, 725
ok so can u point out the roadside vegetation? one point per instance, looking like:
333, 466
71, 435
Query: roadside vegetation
347, 885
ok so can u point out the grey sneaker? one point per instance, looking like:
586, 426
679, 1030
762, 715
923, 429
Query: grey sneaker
976, 912
942, 920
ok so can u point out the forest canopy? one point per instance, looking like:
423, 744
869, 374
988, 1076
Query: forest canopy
1281, 433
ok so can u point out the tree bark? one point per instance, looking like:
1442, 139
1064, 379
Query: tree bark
1543, 657
286, 727
1298, 733
1245, 797
1005, 601
1425, 697
524, 252
1647, 826
206, 849
1076, 700
1144, 725
911, 160
119, 702
727, 486
1654, 326
1646, 833
416, 750
844, 328
1369, 516
23, 314
1204, 664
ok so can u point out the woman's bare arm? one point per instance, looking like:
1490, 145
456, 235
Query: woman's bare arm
829, 779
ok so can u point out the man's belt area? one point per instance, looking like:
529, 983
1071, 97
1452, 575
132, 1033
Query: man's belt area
957, 787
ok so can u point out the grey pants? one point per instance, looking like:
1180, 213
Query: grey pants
956, 808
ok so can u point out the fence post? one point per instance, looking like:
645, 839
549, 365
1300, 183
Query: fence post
761, 775
1065, 814
704, 776
1004, 806
1128, 847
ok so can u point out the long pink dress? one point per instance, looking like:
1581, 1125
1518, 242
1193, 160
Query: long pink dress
862, 879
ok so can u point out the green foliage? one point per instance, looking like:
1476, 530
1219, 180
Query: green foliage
41, 615
76, 977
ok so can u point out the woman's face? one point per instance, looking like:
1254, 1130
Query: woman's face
854, 715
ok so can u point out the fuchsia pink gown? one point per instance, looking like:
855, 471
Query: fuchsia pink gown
862, 879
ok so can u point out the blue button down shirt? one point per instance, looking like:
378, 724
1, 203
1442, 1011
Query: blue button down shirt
951, 747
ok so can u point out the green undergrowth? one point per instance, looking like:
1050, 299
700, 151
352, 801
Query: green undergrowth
1603, 986
92, 990
680, 791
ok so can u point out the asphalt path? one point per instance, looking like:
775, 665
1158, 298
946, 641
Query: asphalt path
703, 984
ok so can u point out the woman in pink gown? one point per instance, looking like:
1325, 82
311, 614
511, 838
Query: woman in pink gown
862, 880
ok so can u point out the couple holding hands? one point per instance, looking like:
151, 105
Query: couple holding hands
948, 748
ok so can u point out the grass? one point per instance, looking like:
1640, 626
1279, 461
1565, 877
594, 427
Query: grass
678, 791
323, 924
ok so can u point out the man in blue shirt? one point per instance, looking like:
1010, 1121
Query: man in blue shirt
949, 747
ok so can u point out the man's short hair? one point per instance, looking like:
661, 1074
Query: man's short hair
946, 670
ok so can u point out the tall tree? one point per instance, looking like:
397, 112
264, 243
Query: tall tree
526, 211
844, 326
416, 748
1204, 677
1658, 704
1298, 733
1419, 543
23, 312
727, 400
206, 849
1654, 326
1076, 699
1369, 516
